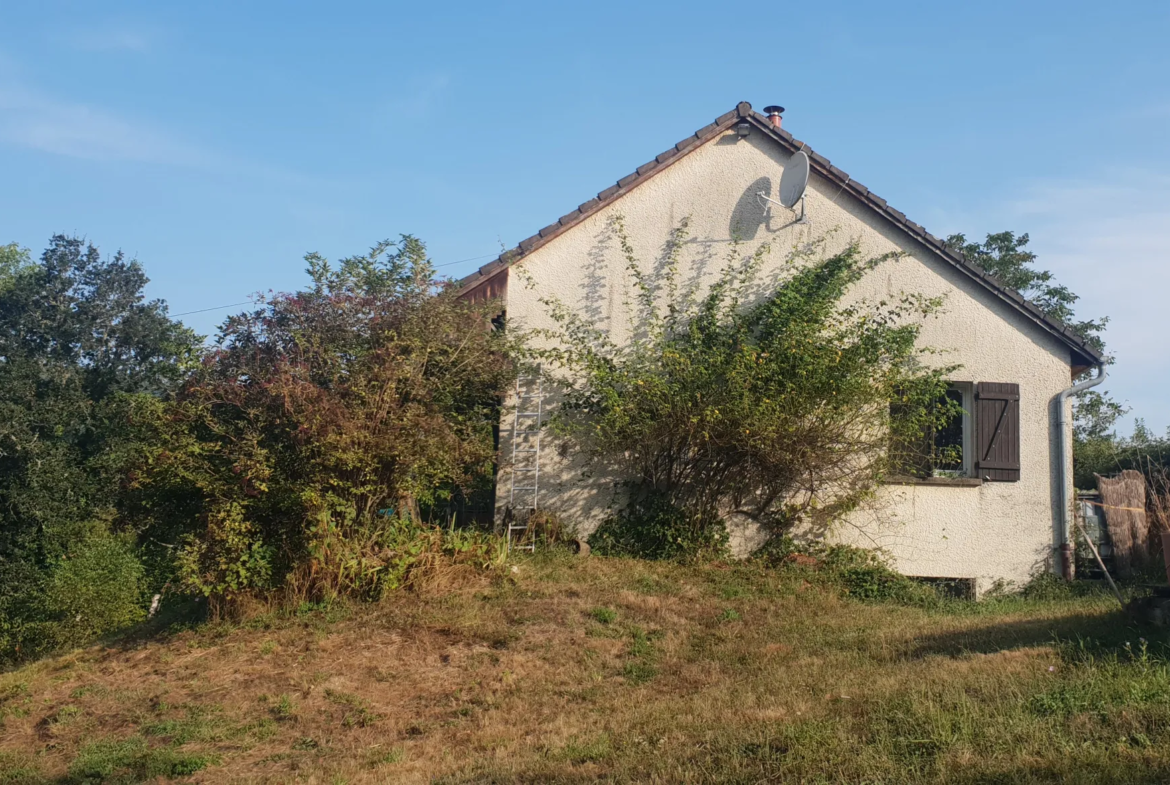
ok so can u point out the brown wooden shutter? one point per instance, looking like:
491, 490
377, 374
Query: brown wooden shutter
997, 431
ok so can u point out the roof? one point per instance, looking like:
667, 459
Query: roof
486, 279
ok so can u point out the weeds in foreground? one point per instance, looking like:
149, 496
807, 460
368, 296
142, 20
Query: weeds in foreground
132, 760
604, 615
586, 669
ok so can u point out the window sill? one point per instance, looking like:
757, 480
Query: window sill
953, 482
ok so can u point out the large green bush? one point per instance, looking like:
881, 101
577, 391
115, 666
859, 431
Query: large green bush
769, 400
80, 346
97, 588
306, 450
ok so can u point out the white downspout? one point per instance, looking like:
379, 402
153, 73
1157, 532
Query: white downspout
1066, 566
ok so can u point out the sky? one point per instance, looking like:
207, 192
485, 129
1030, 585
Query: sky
218, 142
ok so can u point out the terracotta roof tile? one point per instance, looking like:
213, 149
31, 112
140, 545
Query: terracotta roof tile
706, 130
817, 158
664, 157
609, 192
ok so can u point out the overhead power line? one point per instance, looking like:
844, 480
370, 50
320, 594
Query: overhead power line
249, 302
461, 261
213, 308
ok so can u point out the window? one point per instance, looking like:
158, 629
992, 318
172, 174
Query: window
945, 449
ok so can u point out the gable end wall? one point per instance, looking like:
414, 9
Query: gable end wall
993, 531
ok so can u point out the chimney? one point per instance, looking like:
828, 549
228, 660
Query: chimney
774, 113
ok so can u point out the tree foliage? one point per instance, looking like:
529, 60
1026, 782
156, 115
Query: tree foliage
79, 344
769, 402
319, 427
14, 260
1142, 450
1006, 256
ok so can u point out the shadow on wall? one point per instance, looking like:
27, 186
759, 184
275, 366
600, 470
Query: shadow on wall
750, 214
596, 287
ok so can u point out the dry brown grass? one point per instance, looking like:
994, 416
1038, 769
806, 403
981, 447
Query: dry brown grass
574, 670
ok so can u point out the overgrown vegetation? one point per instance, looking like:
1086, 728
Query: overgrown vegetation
581, 670
764, 399
302, 457
80, 349
861, 574
304, 451
1142, 451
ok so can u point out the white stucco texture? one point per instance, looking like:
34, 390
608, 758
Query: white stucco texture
996, 531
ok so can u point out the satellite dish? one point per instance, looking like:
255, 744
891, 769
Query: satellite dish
794, 180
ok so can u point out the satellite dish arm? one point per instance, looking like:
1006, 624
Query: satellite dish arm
766, 201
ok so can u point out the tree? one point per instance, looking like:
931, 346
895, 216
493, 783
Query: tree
779, 411
13, 260
1006, 256
78, 344
305, 448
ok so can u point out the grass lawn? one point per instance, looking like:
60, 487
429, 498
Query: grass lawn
577, 670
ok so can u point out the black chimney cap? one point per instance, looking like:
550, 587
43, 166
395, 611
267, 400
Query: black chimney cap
771, 110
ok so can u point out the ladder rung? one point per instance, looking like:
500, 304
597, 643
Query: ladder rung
519, 451
524, 489
529, 395
524, 468
528, 414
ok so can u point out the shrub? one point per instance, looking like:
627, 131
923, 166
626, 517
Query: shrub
98, 587
857, 572
777, 409
652, 527
864, 575
304, 452
95, 588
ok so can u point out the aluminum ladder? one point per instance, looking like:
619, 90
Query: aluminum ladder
526, 433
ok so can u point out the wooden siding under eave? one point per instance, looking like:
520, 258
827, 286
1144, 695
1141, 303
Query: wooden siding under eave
493, 288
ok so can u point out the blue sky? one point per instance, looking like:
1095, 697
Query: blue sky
218, 142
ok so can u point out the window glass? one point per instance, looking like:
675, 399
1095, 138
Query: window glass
948, 436
941, 449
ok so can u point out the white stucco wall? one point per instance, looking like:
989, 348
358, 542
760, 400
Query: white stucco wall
995, 531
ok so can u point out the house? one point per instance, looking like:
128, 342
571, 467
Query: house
1001, 516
